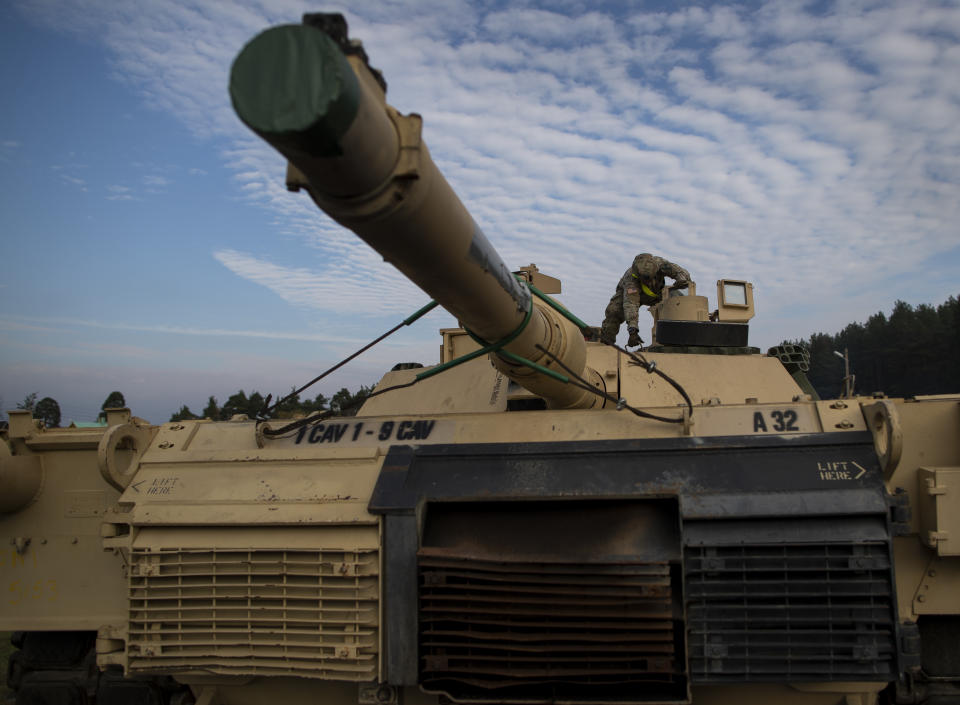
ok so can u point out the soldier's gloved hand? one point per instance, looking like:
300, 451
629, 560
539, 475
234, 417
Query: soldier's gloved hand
634, 340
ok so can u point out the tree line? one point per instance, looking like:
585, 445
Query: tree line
912, 351
343, 403
48, 410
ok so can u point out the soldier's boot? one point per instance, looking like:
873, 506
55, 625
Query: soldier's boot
608, 331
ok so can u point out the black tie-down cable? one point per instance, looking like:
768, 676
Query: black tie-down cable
621, 403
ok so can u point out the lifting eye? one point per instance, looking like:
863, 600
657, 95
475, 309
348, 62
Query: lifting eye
883, 420
119, 452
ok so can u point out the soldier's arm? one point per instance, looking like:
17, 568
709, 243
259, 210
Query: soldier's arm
631, 303
675, 272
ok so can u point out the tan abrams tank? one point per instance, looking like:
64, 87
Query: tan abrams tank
551, 520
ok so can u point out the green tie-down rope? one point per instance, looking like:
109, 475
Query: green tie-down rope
485, 349
573, 378
560, 309
498, 346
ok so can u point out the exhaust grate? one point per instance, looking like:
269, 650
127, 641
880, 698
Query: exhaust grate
308, 613
790, 612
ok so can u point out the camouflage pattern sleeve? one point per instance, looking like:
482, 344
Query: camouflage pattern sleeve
631, 299
674, 271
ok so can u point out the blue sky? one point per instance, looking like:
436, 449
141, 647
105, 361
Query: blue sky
149, 245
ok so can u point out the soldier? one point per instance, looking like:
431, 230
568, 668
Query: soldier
640, 285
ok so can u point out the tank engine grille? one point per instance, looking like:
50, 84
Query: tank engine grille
552, 602
310, 613
790, 612
526, 629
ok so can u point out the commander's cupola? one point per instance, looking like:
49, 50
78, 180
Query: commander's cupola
683, 322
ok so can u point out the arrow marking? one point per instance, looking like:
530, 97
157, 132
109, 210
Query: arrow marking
863, 470
136, 485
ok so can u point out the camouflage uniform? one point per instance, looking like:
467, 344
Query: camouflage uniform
647, 270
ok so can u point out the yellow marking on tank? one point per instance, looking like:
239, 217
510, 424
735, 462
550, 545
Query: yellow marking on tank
17, 560
38, 590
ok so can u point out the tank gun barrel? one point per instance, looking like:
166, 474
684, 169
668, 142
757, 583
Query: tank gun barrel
312, 96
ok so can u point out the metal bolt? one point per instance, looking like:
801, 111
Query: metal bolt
921, 598
43, 541
932, 573
74, 540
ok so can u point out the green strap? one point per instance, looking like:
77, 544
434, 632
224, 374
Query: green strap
497, 347
486, 348
558, 308
422, 312
513, 356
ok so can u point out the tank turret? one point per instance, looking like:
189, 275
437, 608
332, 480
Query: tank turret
366, 166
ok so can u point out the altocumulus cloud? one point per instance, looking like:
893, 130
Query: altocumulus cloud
336, 290
807, 149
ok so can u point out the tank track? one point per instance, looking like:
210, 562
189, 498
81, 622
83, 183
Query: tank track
61, 667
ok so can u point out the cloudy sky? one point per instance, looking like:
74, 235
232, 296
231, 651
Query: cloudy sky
149, 245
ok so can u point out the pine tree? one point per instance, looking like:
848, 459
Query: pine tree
254, 404
236, 404
29, 402
212, 411
911, 352
184, 414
